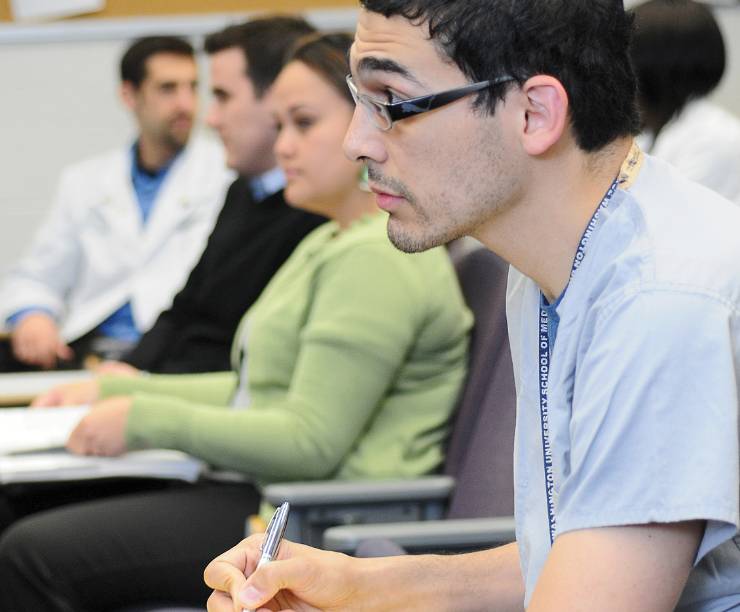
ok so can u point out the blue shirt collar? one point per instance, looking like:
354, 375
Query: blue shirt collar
266, 184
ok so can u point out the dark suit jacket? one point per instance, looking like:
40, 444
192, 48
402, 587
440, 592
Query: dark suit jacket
249, 242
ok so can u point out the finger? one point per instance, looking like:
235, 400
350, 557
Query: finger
220, 602
46, 400
77, 443
63, 351
243, 557
227, 572
265, 583
22, 351
45, 356
40, 401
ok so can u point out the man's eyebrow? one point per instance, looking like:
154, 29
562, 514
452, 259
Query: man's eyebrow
377, 64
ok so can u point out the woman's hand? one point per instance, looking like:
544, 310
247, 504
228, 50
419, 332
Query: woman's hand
117, 368
71, 394
102, 431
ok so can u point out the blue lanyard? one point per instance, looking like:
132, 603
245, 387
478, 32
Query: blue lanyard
544, 363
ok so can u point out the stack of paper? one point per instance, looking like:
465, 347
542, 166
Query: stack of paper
25, 431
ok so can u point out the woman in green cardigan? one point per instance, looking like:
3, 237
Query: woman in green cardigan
348, 366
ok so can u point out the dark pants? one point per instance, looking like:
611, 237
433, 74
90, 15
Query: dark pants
107, 554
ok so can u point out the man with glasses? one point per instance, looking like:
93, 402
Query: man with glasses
623, 307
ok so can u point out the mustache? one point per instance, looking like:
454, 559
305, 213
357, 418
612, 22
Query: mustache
178, 116
392, 184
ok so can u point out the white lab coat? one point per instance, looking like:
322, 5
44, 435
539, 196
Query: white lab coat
703, 142
93, 253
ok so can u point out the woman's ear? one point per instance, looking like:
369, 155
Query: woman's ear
546, 113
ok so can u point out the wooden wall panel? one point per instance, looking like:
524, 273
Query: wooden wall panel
135, 8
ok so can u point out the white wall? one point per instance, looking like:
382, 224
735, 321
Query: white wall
728, 93
58, 105
58, 102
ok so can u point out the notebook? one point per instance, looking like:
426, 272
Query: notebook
32, 450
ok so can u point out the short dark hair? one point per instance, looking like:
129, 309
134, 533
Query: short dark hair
582, 43
264, 42
327, 55
133, 62
678, 53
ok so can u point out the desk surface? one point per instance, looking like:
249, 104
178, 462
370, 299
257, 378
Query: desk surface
18, 389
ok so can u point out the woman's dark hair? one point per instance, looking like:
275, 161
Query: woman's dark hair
264, 42
133, 62
582, 43
678, 53
326, 54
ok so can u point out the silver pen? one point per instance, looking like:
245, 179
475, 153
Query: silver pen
273, 537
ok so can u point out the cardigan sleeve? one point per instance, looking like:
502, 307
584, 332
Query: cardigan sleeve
365, 313
214, 388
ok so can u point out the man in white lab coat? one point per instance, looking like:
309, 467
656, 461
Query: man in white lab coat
126, 227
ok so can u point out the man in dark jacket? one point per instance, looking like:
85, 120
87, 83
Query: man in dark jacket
256, 231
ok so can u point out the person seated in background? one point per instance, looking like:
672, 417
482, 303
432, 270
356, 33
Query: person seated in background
679, 56
256, 230
350, 363
125, 228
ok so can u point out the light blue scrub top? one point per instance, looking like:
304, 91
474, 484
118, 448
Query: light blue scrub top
643, 383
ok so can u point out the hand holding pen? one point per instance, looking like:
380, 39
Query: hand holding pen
273, 537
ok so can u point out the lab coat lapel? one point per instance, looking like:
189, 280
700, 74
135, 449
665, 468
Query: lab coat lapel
118, 210
174, 206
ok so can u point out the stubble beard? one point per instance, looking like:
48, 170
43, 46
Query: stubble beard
175, 138
424, 236
473, 197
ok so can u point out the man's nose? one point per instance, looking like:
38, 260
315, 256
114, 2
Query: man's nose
363, 139
187, 98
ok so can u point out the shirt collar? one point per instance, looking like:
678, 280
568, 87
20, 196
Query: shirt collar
139, 170
266, 184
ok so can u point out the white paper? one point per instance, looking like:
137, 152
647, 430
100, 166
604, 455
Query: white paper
31, 429
52, 9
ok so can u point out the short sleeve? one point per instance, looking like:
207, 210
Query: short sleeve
654, 423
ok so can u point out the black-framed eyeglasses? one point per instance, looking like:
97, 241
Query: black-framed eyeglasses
384, 114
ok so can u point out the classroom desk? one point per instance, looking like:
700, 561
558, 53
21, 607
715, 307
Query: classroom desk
19, 388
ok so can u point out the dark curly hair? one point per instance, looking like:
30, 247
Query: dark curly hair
582, 43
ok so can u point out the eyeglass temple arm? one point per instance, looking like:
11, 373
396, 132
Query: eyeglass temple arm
414, 106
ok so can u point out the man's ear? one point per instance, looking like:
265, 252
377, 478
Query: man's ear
128, 92
546, 113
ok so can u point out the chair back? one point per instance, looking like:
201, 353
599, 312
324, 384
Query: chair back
481, 447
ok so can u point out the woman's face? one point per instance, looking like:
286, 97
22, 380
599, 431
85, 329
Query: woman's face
312, 119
